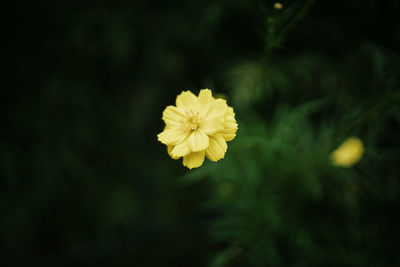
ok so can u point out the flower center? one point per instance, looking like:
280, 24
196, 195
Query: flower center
193, 121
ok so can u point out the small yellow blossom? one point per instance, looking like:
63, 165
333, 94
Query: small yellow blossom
278, 5
198, 126
348, 153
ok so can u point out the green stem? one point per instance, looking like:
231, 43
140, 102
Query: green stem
273, 38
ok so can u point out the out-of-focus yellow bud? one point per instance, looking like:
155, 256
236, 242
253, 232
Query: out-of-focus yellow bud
222, 96
278, 5
348, 153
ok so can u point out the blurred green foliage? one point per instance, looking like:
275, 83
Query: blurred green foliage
84, 182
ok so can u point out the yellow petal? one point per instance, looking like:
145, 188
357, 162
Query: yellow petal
205, 101
217, 148
214, 119
230, 114
198, 140
213, 125
181, 149
173, 117
194, 159
228, 136
172, 136
218, 108
186, 100
230, 125
348, 153
169, 149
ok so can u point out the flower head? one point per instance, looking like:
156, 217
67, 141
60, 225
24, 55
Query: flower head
198, 126
348, 153
278, 5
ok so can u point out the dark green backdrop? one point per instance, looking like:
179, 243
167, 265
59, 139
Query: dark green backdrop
84, 182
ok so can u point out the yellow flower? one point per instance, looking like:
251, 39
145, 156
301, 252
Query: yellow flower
278, 5
198, 126
348, 153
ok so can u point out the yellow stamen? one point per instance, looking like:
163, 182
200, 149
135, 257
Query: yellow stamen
193, 121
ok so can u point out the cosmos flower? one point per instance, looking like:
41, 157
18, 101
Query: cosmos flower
278, 5
198, 126
348, 153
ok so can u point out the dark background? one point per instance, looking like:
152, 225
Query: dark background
84, 181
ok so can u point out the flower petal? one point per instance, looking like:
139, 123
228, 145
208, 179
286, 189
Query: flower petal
213, 125
205, 100
198, 140
227, 136
186, 100
181, 149
217, 148
169, 149
214, 119
173, 116
194, 159
219, 108
230, 114
172, 136
230, 125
